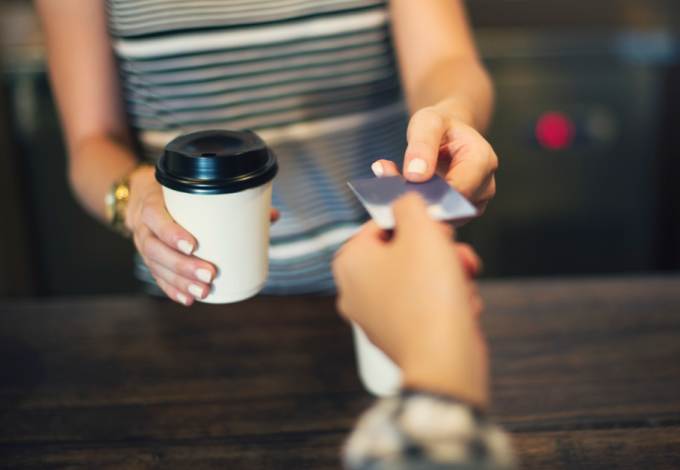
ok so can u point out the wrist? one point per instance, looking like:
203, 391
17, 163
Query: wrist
460, 108
447, 360
118, 200
446, 383
140, 177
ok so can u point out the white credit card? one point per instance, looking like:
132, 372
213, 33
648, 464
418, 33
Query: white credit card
443, 202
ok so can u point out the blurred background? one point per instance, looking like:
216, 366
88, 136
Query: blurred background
587, 114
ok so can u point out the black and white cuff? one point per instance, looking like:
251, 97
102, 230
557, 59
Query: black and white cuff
418, 430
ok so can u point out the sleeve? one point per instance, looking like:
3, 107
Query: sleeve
421, 431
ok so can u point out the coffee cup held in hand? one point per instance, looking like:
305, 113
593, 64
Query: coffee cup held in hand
218, 186
378, 374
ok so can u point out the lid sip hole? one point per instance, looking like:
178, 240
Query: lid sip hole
208, 155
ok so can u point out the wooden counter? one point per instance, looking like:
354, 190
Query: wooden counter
586, 374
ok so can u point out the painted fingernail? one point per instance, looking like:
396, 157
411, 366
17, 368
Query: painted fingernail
185, 246
203, 275
196, 290
182, 298
378, 169
417, 165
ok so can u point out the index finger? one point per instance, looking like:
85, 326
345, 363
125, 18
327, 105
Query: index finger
470, 169
158, 219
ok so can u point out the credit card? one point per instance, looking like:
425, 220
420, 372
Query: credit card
443, 202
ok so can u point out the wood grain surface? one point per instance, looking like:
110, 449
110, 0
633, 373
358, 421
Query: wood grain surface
586, 374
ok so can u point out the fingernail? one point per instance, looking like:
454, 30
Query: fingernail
185, 247
182, 298
196, 291
378, 169
417, 165
203, 275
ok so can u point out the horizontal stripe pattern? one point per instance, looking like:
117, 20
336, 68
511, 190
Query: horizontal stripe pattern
136, 18
316, 79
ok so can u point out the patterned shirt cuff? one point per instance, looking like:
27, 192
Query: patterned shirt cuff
418, 430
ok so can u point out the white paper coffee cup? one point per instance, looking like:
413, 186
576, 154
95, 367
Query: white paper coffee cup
232, 231
378, 374
218, 186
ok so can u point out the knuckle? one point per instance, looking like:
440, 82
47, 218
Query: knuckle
423, 144
138, 241
180, 283
493, 162
148, 214
163, 285
166, 232
169, 280
184, 267
160, 281
428, 117
171, 292
432, 117
428, 111
490, 191
148, 247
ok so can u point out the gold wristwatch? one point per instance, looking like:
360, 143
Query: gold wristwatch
117, 202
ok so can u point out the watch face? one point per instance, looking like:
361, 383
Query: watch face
110, 201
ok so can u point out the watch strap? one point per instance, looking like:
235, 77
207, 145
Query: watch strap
118, 199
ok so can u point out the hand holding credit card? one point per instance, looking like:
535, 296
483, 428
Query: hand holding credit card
443, 202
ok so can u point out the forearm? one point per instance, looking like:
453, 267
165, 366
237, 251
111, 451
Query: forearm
94, 166
449, 371
461, 85
85, 83
438, 60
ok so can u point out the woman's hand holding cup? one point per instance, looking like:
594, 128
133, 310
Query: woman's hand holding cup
164, 245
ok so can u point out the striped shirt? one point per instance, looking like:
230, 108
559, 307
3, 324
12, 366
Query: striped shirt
316, 79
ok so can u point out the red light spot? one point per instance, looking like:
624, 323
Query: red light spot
555, 131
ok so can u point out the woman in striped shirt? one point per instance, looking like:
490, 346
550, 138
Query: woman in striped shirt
320, 80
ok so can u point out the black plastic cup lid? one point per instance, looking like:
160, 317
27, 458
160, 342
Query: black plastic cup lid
216, 162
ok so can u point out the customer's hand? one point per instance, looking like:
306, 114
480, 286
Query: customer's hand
439, 140
164, 245
413, 295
